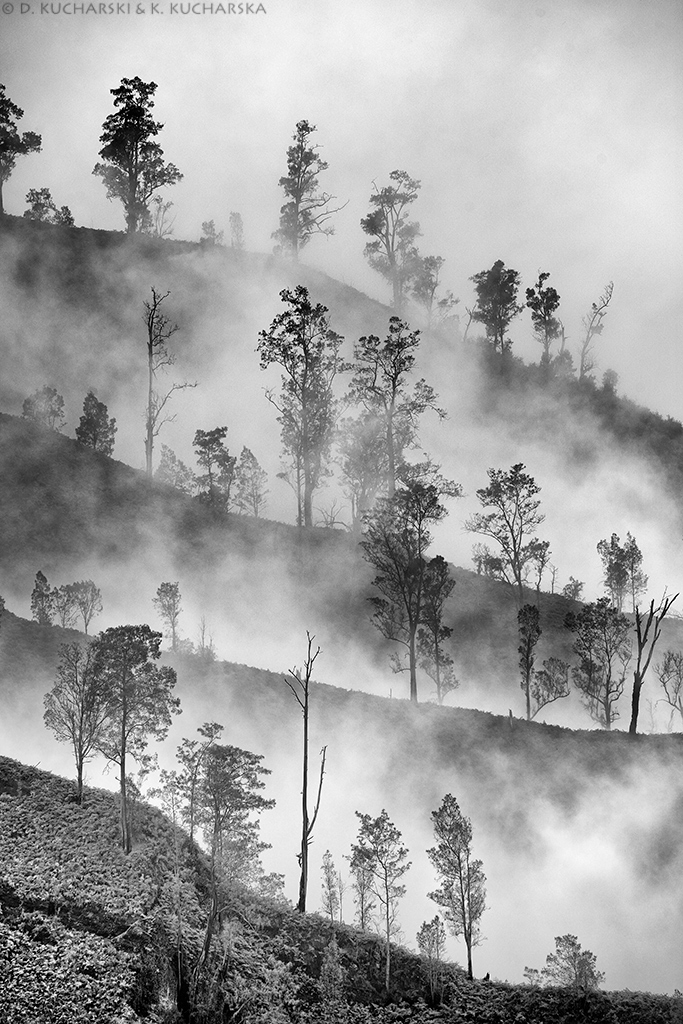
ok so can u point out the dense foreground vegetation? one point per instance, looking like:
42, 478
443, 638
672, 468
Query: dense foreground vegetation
90, 934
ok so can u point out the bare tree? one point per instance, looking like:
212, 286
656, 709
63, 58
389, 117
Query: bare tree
670, 674
300, 685
593, 327
648, 632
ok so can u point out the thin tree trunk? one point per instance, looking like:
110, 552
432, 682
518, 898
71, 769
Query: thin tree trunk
413, 668
303, 881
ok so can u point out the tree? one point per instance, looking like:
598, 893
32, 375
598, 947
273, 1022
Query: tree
648, 632
236, 232
437, 587
549, 684
380, 384
431, 942
424, 290
215, 458
63, 604
529, 635
75, 707
512, 523
604, 650
96, 430
88, 599
174, 472
300, 685
139, 700
497, 305
132, 165
250, 485
361, 885
543, 301
379, 845
670, 674
160, 223
159, 331
330, 889
12, 144
307, 210
210, 237
615, 567
191, 755
392, 253
395, 543
301, 342
637, 580
42, 601
593, 327
42, 208
569, 967
167, 604
573, 590
462, 894
45, 407
362, 458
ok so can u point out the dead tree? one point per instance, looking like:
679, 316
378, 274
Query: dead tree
646, 647
300, 687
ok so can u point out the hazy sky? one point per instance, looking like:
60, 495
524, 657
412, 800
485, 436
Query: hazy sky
546, 135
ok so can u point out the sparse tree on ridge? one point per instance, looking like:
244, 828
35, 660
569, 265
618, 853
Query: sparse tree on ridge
361, 885
139, 700
88, 599
45, 407
670, 674
236, 232
431, 942
569, 966
648, 632
462, 894
132, 166
307, 209
301, 341
379, 846
174, 472
42, 601
330, 890
615, 567
41, 207
210, 236
593, 327
497, 304
300, 684
215, 458
362, 457
63, 602
550, 683
75, 707
393, 253
543, 301
167, 604
96, 430
529, 635
160, 223
512, 524
431, 635
604, 651
12, 144
424, 290
250, 485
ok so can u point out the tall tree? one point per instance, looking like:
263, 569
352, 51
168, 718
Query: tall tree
462, 894
301, 341
529, 635
12, 143
648, 632
543, 301
593, 327
42, 601
191, 755
431, 636
250, 485
96, 430
615, 567
159, 331
88, 599
300, 685
214, 457
381, 385
41, 207
139, 700
379, 845
637, 579
395, 543
132, 166
167, 604
75, 707
512, 523
497, 305
307, 209
45, 407
393, 253
604, 651
64, 605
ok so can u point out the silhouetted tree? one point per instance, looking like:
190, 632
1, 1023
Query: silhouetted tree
210, 236
96, 430
593, 327
604, 651
543, 301
307, 209
191, 755
462, 894
12, 144
573, 590
529, 635
301, 342
174, 472
160, 223
379, 845
45, 407
75, 707
381, 385
219, 464
550, 683
41, 207
615, 568
425, 286
392, 253
497, 305
300, 685
637, 580
648, 632
512, 524
64, 605
568, 967
88, 599
432, 634
431, 942
133, 167
167, 604
250, 485
139, 700
42, 601
670, 674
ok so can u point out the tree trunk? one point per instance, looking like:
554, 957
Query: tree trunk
303, 881
387, 963
79, 779
470, 975
635, 703
391, 458
413, 667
